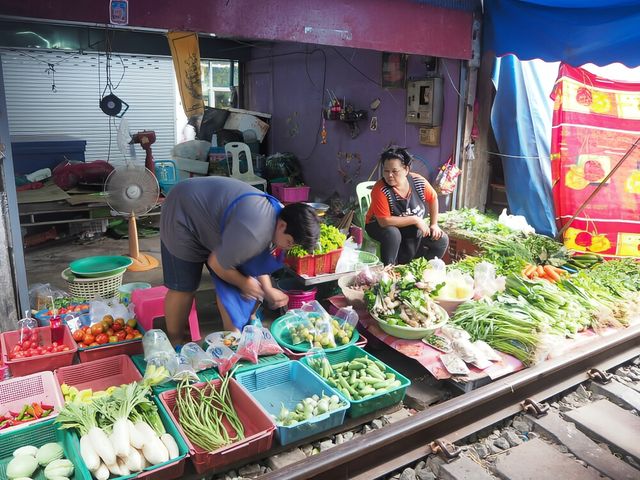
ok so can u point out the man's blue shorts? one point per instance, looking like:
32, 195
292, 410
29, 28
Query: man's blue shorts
179, 274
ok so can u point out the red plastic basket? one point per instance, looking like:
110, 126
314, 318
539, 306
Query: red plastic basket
127, 347
40, 387
99, 374
302, 265
259, 429
49, 361
326, 263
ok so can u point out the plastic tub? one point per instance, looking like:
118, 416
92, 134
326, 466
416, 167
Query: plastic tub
287, 384
362, 342
374, 402
37, 435
258, 429
49, 361
41, 387
298, 293
99, 374
127, 289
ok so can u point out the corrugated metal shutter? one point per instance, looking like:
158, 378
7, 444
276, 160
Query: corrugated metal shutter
148, 86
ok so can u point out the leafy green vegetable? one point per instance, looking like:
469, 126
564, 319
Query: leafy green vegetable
330, 239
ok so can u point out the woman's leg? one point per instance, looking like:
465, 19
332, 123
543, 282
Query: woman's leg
389, 238
410, 244
430, 248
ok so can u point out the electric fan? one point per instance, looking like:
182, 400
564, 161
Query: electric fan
132, 191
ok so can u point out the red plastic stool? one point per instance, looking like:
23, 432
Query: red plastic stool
149, 305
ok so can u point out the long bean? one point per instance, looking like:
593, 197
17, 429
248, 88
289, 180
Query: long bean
201, 413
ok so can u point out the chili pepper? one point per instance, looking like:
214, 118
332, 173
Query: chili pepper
31, 412
22, 412
46, 407
37, 410
5, 423
13, 414
46, 413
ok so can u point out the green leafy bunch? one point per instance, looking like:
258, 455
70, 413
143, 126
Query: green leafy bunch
330, 239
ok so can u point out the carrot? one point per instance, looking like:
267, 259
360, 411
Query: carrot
528, 270
559, 271
540, 270
551, 273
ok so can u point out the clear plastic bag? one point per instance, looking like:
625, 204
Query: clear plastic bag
26, 328
249, 344
40, 293
155, 341
318, 361
161, 367
268, 344
322, 324
199, 359
184, 370
230, 339
345, 322
486, 283
299, 327
223, 357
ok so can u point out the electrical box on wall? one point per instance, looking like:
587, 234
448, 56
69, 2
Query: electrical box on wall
424, 102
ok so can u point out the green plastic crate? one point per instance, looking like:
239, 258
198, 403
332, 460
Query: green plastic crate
246, 366
141, 365
173, 468
37, 435
374, 402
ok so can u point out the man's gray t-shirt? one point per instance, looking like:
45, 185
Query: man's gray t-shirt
192, 215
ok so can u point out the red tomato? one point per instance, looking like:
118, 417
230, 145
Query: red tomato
102, 338
113, 339
89, 339
116, 327
94, 344
16, 348
27, 353
65, 348
129, 336
121, 335
97, 328
110, 332
12, 355
54, 344
78, 335
26, 345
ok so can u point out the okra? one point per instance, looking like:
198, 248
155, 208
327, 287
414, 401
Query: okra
384, 384
354, 375
357, 366
380, 365
374, 372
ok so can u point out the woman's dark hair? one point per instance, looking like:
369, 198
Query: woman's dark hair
303, 224
396, 153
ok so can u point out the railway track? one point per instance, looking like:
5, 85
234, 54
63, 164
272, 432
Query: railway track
610, 447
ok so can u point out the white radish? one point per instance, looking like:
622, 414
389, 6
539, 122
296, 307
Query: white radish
88, 454
122, 465
114, 469
102, 446
146, 432
170, 443
145, 463
155, 451
102, 473
135, 438
135, 461
120, 438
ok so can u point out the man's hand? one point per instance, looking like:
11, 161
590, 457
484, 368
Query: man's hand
436, 232
422, 226
275, 298
251, 288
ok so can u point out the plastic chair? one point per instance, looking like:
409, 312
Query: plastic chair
149, 305
363, 192
235, 149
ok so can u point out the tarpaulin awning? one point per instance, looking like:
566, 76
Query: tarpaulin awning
573, 31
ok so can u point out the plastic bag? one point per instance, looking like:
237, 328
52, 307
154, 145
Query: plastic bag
485, 281
299, 327
230, 339
447, 178
198, 358
318, 361
346, 320
40, 295
155, 342
515, 222
458, 286
268, 344
223, 357
160, 368
322, 324
184, 370
349, 257
435, 275
26, 328
249, 344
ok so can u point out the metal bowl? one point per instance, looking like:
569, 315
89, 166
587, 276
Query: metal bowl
320, 208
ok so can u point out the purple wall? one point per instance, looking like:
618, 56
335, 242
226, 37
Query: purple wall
289, 85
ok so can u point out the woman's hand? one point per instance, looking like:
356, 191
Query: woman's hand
435, 232
275, 298
251, 288
422, 226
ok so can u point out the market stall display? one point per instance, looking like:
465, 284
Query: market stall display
324, 259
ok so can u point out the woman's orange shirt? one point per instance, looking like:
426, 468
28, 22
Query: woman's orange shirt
380, 197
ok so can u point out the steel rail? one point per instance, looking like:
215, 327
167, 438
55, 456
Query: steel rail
382, 451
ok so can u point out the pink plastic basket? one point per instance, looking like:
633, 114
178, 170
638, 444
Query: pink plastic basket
99, 374
49, 361
290, 194
259, 429
15, 393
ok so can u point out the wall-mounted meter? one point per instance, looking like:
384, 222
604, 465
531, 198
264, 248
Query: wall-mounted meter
424, 102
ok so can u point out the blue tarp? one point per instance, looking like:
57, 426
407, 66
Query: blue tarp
521, 122
573, 31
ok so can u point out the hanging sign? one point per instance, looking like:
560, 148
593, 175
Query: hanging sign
119, 12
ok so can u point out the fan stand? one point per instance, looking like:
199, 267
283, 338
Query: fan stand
141, 261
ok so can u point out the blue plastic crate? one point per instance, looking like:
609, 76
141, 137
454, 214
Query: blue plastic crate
33, 152
167, 174
287, 384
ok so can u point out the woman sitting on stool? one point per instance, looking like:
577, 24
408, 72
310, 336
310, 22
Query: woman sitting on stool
396, 215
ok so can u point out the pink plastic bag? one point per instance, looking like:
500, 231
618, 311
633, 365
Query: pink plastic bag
447, 178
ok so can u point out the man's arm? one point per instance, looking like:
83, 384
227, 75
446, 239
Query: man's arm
249, 286
276, 298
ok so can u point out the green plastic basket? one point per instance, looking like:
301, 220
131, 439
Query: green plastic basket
37, 435
246, 366
141, 365
281, 334
173, 468
100, 266
374, 402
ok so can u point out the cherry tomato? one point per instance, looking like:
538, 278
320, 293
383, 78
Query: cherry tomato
121, 335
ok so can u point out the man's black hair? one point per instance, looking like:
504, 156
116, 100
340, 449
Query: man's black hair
399, 153
303, 224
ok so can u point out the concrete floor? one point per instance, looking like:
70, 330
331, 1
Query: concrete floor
45, 264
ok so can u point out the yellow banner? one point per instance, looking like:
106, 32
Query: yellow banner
186, 62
